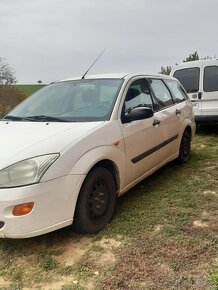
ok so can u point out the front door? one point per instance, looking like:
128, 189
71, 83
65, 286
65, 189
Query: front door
142, 137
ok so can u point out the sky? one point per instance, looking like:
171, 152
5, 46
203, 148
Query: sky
49, 40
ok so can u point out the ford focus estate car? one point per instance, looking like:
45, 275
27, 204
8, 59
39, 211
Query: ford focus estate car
69, 150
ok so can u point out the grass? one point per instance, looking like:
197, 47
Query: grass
28, 90
213, 278
163, 236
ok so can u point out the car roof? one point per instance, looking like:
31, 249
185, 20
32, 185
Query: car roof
125, 76
196, 63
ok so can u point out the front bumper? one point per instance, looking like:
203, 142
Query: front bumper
54, 205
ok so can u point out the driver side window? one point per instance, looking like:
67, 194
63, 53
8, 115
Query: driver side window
137, 95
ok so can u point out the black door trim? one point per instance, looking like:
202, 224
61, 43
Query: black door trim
154, 149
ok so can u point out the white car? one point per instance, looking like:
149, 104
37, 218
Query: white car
71, 148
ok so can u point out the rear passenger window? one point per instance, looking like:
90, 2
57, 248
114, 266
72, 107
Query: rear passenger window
161, 93
189, 78
177, 90
211, 78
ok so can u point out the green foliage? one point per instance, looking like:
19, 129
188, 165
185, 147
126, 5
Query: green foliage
213, 278
82, 270
192, 56
47, 263
67, 270
28, 90
165, 70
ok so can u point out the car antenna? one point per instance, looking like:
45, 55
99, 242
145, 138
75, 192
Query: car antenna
92, 64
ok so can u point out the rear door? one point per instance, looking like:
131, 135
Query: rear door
210, 92
171, 116
191, 78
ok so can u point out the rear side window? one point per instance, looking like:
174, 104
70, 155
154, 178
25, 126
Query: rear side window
177, 90
211, 78
161, 93
189, 78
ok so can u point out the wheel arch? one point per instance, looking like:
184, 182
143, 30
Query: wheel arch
189, 126
109, 157
111, 167
189, 129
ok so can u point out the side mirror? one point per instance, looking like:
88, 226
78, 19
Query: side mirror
138, 113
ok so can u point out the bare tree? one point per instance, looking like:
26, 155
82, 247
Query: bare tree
7, 76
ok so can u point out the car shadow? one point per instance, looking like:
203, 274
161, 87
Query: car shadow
207, 130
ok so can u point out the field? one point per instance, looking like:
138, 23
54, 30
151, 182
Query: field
29, 89
164, 235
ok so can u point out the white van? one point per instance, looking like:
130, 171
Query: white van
200, 79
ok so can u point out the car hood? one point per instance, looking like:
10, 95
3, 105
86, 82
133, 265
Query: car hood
22, 140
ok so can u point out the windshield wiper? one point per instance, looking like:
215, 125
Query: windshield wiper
13, 118
45, 118
35, 118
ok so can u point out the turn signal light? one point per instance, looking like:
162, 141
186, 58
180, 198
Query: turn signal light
23, 209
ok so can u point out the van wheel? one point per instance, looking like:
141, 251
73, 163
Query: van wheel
185, 147
96, 202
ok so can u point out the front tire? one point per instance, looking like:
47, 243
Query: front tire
96, 201
185, 147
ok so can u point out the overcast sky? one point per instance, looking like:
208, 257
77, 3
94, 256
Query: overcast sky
52, 39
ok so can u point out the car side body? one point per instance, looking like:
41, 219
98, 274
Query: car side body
126, 147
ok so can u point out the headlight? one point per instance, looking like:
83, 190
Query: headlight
26, 172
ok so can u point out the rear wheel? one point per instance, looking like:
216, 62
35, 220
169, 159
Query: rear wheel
185, 147
96, 202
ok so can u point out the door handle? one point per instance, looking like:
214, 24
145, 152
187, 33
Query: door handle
156, 122
199, 95
178, 112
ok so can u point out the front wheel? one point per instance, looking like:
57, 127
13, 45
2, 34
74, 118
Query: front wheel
96, 202
185, 147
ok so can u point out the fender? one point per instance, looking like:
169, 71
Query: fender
111, 153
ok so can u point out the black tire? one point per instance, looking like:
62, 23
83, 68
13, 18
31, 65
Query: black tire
96, 202
185, 147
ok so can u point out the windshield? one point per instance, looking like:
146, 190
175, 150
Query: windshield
70, 101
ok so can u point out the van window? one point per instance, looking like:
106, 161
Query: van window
211, 78
189, 78
177, 90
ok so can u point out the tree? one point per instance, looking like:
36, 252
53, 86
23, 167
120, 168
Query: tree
192, 56
165, 70
10, 96
39, 82
6, 73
